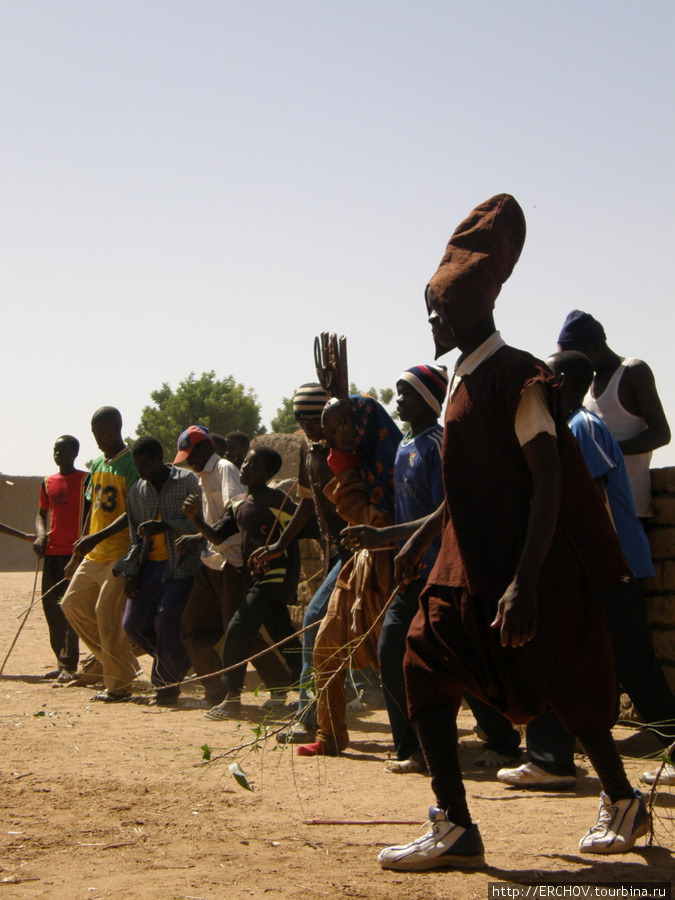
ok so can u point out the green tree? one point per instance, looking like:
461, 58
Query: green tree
221, 405
284, 422
385, 396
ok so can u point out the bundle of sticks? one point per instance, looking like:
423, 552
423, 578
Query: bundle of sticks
330, 357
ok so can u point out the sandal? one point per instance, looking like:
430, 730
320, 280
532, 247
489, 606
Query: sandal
230, 709
110, 697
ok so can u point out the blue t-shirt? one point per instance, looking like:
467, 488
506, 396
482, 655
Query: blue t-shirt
604, 457
418, 485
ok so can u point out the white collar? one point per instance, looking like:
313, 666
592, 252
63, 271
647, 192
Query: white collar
211, 464
471, 362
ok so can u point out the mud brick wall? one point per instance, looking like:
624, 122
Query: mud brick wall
660, 590
18, 508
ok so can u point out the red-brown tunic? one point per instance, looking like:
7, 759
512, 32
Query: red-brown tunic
451, 647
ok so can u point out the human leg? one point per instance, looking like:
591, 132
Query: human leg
79, 605
202, 628
117, 658
172, 659
622, 816
316, 609
391, 650
278, 624
503, 740
244, 625
637, 668
139, 612
62, 637
271, 667
331, 655
452, 841
550, 751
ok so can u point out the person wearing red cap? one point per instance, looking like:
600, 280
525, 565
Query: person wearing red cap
218, 588
510, 611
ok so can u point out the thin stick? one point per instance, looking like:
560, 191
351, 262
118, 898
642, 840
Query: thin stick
651, 796
362, 822
250, 658
25, 618
52, 590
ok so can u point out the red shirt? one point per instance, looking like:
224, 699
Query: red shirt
63, 496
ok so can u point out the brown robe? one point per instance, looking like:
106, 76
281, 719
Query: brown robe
363, 587
451, 647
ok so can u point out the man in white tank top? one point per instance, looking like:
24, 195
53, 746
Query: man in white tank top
624, 396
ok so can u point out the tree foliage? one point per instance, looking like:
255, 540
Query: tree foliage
221, 405
385, 396
284, 422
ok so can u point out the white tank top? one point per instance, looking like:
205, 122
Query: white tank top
624, 425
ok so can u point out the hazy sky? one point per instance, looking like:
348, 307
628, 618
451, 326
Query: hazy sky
195, 185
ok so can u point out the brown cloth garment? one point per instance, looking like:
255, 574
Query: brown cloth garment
451, 647
363, 587
479, 257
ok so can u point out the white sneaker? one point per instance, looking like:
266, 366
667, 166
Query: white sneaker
530, 776
667, 775
411, 766
492, 759
618, 826
445, 844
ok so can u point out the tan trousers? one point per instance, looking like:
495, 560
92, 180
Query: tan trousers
94, 605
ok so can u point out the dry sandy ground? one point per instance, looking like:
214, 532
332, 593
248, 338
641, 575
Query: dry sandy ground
113, 801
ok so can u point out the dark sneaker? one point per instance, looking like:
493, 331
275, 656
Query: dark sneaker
65, 676
444, 845
298, 733
165, 697
111, 696
618, 826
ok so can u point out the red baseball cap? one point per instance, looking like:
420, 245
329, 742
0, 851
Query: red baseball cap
192, 436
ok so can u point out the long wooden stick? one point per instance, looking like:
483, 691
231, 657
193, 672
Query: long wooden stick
52, 590
255, 656
362, 822
25, 618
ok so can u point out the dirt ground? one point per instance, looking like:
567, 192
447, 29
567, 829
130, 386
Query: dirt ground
115, 802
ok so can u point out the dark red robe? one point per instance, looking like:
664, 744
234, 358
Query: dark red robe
451, 647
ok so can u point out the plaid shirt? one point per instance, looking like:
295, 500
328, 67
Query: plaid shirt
145, 504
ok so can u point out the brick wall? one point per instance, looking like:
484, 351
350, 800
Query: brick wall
660, 590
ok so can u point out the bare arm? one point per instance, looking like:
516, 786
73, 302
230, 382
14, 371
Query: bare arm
14, 532
302, 515
86, 544
644, 401
406, 562
222, 529
359, 537
517, 609
41, 527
